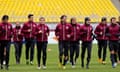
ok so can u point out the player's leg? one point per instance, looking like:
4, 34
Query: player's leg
71, 52
44, 47
83, 54
66, 46
39, 48
2, 46
16, 51
116, 46
77, 50
27, 44
111, 47
119, 53
61, 43
99, 51
32, 51
8, 43
20, 50
104, 51
89, 49
4, 62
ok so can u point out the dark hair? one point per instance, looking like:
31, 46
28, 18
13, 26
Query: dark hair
5, 17
63, 16
104, 19
119, 17
71, 20
87, 19
112, 18
30, 15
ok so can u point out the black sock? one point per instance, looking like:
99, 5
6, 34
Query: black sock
119, 55
82, 62
65, 60
112, 58
115, 57
60, 59
44, 60
88, 60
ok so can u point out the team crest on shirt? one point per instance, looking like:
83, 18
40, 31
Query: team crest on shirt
90, 28
9, 27
33, 25
77, 27
45, 28
67, 27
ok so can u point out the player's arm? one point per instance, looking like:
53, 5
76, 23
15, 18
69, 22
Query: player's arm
48, 31
57, 32
97, 31
25, 29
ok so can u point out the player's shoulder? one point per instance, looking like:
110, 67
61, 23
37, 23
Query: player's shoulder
78, 24
25, 23
46, 25
83, 25
34, 23
58, 24
1, 24
91, 26
14, 28
10, 24
68, 24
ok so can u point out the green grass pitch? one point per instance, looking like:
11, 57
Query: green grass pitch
52, 62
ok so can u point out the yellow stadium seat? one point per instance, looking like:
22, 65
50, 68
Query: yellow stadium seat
53, 9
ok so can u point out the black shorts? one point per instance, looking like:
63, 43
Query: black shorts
113, 46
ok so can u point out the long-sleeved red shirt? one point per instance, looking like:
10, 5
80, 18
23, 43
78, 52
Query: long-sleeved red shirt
42, 32
6, 31
29, 26
63, 32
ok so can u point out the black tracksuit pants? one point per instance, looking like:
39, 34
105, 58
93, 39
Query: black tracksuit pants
63, 50
30, 43
102, 46
41, 49
88, 46
74, 49
119, 51
18, 50
5, 44
113, 46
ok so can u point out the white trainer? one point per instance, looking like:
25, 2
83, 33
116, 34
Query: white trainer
44, 67
39, 67
73, 66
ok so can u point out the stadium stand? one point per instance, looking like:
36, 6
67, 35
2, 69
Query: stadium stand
53, 9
